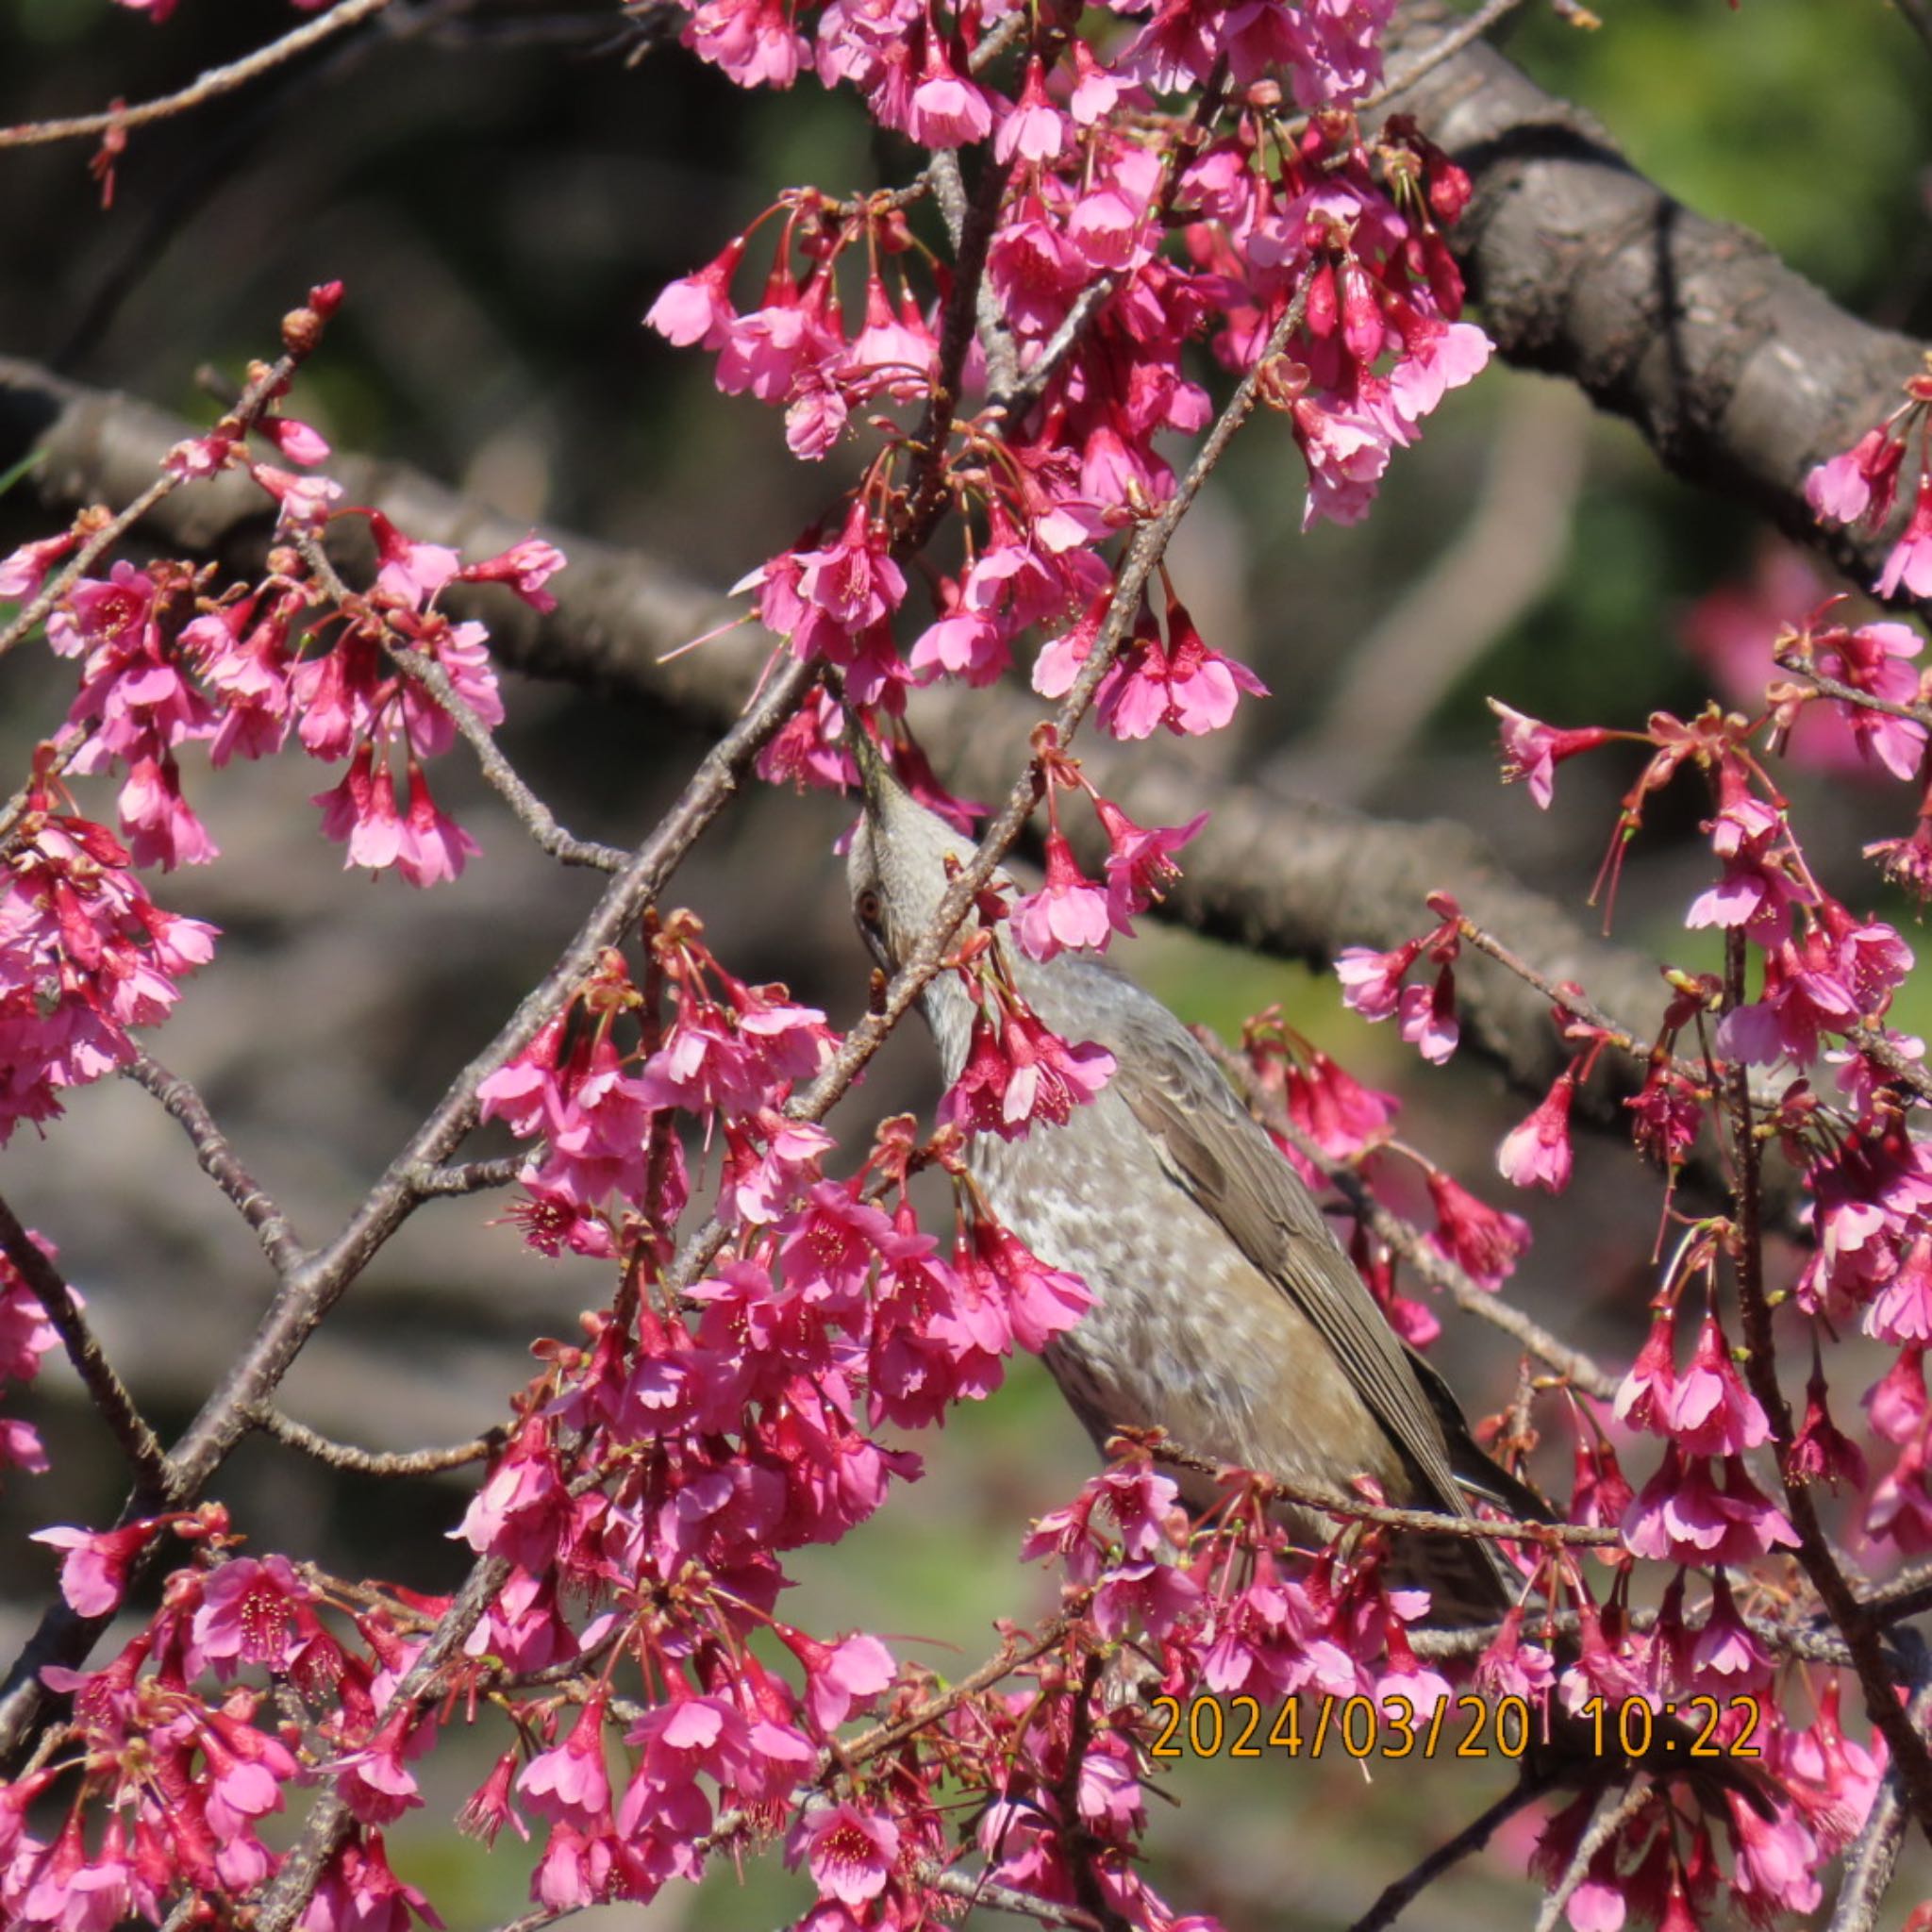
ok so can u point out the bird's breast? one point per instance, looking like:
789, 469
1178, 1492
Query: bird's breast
1185, 1334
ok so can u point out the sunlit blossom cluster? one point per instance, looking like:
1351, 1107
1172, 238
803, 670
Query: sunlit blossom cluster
1157, 192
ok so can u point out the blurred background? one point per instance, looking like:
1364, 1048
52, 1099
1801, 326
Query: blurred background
504, 189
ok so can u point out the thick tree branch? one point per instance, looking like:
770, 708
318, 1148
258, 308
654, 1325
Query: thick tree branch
1282, 875
1737, 372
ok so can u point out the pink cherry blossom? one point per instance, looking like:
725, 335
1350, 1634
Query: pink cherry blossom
850, 1853
1859, 484
1537, 1152
1910, 560
1068, 911
93, 1573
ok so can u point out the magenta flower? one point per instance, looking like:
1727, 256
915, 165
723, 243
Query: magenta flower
1483, 1241
568, 1783
1532, 750
697, 308
1858, 484
23, 571
1684, 1515
373, 1782
1185, 686
1068, 911
751, 41
1139, 869
1711, 1412
1334, 1108
524, 567
839, 1678
1427, 1017
1874, 660
93, 1573
850, 1853
1035, 130
1645, 1394
1537, 1152
1041, 1302
1016, 1072
1150, 1597
1910, 560
1372, 981
947, 110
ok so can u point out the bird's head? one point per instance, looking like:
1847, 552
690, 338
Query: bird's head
897, 867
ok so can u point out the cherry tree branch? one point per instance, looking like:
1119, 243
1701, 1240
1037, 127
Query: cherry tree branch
158, 1481
1610, 1819
1278, 874
218, 1160
377, 1462
1739, 375
1872, 1858
1403, 1892
1430, 1522
1471, 28
206, 87
147, 493
468, 1176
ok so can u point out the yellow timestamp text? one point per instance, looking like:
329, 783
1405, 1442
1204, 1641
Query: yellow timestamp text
1466, 1726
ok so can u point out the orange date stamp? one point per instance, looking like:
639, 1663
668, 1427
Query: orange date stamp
1466, 1726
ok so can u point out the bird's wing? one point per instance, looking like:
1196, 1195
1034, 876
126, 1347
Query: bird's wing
1211, 1145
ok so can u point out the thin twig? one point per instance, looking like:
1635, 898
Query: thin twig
1604, 1826
1430, 1522
1013, 399
973, 237
298, 1436
1446, 48
218, 1160
252, 400
469, 1176
1010, 1657
1003, 1898
1571, 999
1473, 1836
1077, 1842
330, 1818
210, 86
157, 1481
538, 1917
1908, 1594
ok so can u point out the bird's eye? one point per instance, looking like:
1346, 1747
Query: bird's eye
869, 908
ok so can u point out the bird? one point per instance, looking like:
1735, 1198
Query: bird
1225, 1312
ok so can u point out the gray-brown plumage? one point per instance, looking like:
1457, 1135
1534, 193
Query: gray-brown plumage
1226, 1313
